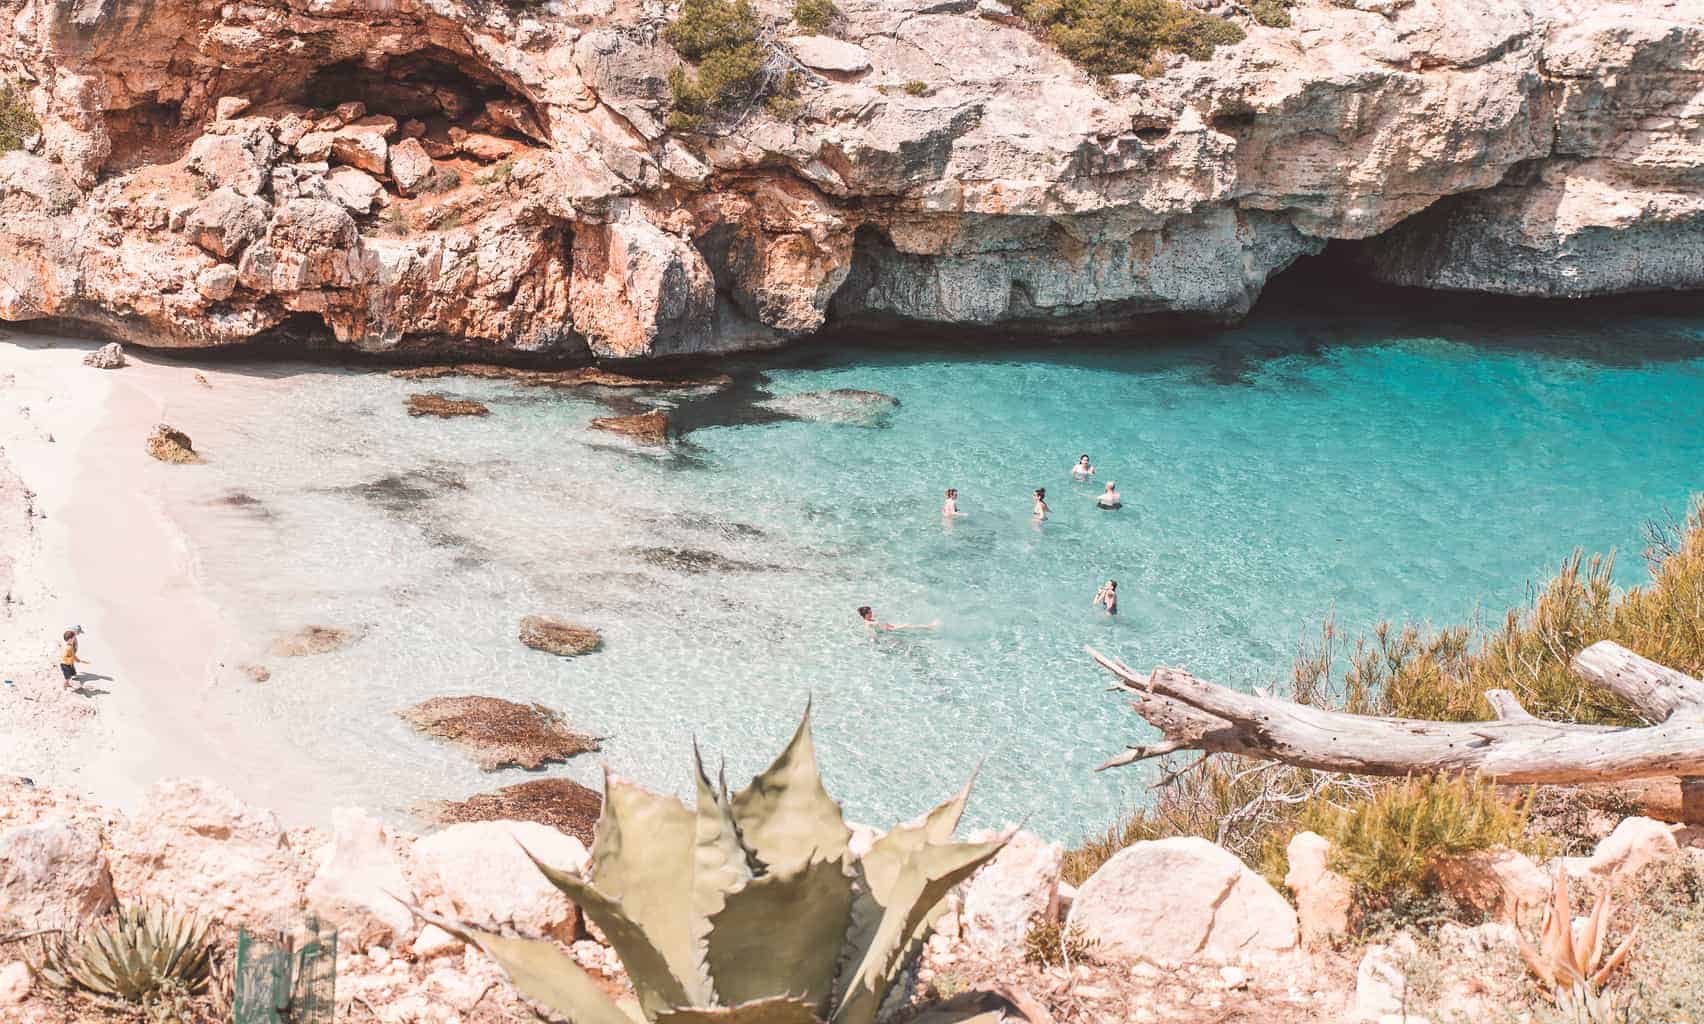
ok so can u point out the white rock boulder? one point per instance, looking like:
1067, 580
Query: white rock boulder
1635, 843
1181, 899
52, 873
212, 853
409, 166
360, 885
479, 872
1322, 895
1499, 883
356, 190
826, 53
108, 357
15, 982
1016, 889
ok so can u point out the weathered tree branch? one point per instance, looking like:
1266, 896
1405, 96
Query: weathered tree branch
1516, 748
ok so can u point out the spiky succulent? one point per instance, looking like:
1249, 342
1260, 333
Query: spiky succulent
138, 951
1573, 966
748, 908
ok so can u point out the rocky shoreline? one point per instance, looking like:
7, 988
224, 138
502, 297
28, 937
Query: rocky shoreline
1172, 929
448, 179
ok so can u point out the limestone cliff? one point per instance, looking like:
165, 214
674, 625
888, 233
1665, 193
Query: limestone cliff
473, 174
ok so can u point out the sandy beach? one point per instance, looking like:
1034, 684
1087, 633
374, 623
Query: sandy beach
85, 540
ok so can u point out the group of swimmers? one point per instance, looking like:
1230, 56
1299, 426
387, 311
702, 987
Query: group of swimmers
1108, 500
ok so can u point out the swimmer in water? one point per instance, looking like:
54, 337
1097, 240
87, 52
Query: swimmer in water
1107, 597
1041, 509
1082, 470
950, 509
1109, 498
873, 625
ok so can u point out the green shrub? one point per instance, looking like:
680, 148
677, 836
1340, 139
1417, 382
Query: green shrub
17, 121
1271, 13
1052, 944
720, 38
815, 15
916, 88
1114, 37
1388, 844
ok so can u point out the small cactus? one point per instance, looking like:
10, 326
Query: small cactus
747, 908
143, 949
1572, 967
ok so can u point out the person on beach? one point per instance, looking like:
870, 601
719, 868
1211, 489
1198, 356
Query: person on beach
1041, 509
950, 509
68, 659
873, 625
1107, 597
1082, 470
1109, 498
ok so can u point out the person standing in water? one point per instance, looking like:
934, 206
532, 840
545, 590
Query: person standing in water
950, 509
1082, 470
873, 625
1041, 509
68, 659
1107, 597
1109, 498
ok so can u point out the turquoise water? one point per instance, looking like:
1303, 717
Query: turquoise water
1288, 471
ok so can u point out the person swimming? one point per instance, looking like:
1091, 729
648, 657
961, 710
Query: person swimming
1109, 498
950, 508
1107, 597
1082, 470
874, 625
1041, 509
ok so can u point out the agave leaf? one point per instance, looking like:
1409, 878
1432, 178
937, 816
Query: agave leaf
774, 1010
908, 879
781, 933
654, 979
642, 860
940, 823
1616, 957
541, 972
1539, 966
946, 1016
1562, 913
719, 865
1591, 939
785, 816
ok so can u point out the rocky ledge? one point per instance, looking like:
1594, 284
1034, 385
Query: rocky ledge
488, 178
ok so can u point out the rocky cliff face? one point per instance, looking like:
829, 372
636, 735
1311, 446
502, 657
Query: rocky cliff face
469, 174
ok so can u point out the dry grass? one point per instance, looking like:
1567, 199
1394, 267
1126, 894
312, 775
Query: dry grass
1252, 808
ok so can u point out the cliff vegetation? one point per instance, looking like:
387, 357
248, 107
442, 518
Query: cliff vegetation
1117, 37
17, 122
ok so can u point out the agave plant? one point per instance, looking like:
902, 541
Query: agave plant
1573, 967
749, 908
141, 950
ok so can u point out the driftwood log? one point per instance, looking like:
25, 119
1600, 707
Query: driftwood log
1516, 748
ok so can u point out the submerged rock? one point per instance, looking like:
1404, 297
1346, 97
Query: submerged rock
500, 733
108, 357
557, 637
313, 640
256, 673
578, 377
560, 803
169, 444
650, 428
696, 560
841, 405
445, 408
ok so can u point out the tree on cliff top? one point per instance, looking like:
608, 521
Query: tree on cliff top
17, 122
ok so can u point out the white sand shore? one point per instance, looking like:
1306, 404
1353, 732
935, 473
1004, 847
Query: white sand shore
103, 553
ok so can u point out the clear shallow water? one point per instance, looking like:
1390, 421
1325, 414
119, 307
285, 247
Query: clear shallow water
1289, 470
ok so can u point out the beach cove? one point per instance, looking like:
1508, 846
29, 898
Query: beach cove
723, 569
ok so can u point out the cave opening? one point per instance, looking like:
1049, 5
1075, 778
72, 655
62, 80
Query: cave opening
435, 86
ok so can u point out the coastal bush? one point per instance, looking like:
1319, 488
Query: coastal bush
17, 121
720, 39
916, 87
815, 15
745, 908
1270, 13
1389, 843
1114, 37
1053, 944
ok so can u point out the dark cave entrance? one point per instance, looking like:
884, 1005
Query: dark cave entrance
433, 85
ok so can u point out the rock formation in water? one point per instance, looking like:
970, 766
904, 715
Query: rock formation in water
461, 176
501, 733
